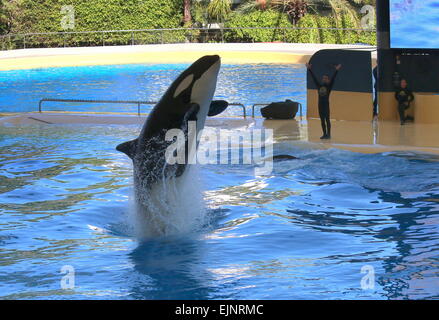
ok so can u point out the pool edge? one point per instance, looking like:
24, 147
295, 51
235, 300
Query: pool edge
237, 53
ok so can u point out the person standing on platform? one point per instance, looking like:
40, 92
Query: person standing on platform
375, 92
404, 96
324, 90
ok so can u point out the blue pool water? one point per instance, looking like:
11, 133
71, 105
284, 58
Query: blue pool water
307, 231
304, 232
21, 90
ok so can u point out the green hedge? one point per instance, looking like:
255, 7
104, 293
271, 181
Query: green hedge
46, 16
331, 35
259, 19
272, 19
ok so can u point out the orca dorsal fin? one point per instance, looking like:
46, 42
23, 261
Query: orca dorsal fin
128, 147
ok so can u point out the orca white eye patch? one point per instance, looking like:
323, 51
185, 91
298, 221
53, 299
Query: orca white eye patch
184, 85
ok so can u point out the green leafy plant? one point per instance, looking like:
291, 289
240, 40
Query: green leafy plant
246, 28
94, 15
219, 10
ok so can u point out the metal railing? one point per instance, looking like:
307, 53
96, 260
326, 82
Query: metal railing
40, 104
244, 113
154, 36
139, 103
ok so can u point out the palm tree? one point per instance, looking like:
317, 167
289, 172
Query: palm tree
340, 8
297, 8
187, 12
218, 10
337, 7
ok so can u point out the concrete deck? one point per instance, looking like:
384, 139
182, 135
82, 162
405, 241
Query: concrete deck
357, 136
232, 53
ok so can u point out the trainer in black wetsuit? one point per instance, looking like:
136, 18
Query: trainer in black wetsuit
375, 91
404, 97
324, 90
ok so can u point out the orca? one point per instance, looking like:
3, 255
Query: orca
188, 98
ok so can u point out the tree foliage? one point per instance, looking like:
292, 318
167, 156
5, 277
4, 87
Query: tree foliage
244, 27
46, 15
310, 29
40, 16
219, 10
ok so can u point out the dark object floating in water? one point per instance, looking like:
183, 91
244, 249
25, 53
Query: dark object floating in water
282, 157
280, 110
217, 106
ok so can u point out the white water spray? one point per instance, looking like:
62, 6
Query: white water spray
173, 206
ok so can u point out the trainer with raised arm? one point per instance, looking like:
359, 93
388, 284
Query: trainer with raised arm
324, 89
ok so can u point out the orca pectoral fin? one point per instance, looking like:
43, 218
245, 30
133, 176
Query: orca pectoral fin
216, 107
128, 147
191, 114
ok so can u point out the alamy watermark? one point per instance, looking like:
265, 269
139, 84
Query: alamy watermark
68, 280
368, 19
368, 281
68, 17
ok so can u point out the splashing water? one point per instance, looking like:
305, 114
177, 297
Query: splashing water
173, 206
